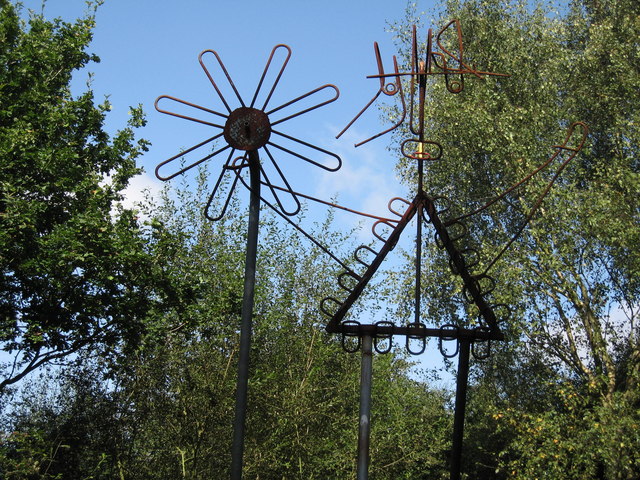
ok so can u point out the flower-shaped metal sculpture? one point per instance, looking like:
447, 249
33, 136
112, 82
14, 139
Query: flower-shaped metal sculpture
248, 128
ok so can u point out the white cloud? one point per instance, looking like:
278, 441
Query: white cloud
366, 182
139, 187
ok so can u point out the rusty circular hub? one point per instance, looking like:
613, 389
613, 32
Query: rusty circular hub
247, 129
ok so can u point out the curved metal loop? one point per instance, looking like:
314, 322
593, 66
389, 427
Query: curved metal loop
190, 105
455, 329
464, 258
442, 205
226, 73
570, 130
375, 232
264, 74
287, 188
345, 346
421, 153
323, 307
190, 164
397, 199
302, 97
442, 209
421, 338
344, 275
479, 354
484, 285
357, 258
453, 236
303, 157
386, 88
454, 86
379, 338
228, 166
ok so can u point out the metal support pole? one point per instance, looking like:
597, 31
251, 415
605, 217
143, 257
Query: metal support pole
461, 403
237, 448
365, 407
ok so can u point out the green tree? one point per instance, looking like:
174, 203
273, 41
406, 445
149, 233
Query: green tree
571, 280
73, 268
168, 409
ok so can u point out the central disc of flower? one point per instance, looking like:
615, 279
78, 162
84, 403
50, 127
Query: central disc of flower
247, 129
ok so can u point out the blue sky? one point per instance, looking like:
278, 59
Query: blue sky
150, 48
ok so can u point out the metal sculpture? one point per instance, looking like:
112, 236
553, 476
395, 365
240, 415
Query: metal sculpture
249, 129
449, 233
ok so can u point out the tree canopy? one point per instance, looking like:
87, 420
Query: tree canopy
73, 268
571, 280
150, 309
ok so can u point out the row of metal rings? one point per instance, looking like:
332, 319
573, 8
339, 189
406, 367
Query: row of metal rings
382, 343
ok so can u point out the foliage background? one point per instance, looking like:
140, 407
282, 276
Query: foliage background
141, 307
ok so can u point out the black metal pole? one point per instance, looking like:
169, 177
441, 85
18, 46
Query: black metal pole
366, 374
461, 403
237, 448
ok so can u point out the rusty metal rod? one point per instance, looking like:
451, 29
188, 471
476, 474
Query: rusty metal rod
461, 403
237, 448
364, 431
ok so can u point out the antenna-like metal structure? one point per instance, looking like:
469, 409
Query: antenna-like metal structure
244, 132
446, 61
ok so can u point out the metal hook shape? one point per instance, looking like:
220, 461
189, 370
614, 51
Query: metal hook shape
419, 152
264, 74
484, 285
455, 329
374, 229
358, 259
228, 167
388, 89
452, 237
323, 307
464, 259
421, 338
394, 210
212, 81
381, 337
480, 355
351, 335
352, 276
328, 86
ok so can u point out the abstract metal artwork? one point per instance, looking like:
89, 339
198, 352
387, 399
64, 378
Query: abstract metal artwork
448, 62
248, 129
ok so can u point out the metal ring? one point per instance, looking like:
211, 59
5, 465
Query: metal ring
477, 279
487, 354
454, 328
345, 335
375, 232
423, 338
358, 259
344, 275
381, 337
322, 305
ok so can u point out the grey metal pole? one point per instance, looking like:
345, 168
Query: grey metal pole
365, 407
461, 403
237, 448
